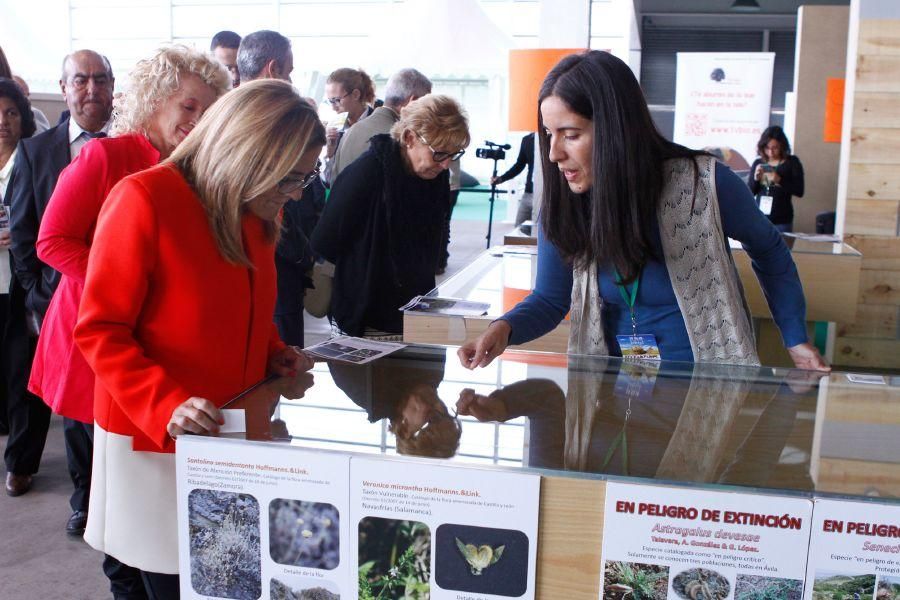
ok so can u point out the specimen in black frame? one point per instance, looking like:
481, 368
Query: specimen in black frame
304, 534
481, 560
224, 547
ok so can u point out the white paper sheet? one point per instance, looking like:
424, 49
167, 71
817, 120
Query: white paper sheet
235, 420
353, 350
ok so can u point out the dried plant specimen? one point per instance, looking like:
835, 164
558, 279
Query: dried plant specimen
481, 557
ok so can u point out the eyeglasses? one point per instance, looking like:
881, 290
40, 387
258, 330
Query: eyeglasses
442, 156
291, 184
436, 417
336, 101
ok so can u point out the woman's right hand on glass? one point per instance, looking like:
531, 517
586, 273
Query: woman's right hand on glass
758, 172
488, 346
195, 415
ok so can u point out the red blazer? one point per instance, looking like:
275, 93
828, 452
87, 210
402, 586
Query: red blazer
59, 374
163, 316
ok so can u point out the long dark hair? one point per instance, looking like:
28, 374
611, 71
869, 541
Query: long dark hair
611, 224
5, 70
773, 133
10, 89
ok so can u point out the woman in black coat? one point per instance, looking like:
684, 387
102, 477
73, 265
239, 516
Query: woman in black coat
775, 177
382, 225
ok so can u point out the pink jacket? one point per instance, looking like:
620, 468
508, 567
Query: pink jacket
60, 374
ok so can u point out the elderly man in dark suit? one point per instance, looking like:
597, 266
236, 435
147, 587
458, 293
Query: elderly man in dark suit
87, 87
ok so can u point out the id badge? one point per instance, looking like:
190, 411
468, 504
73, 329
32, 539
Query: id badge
637, 378
765, 205
642, 346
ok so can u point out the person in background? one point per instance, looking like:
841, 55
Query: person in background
16, 123
403, 87
775, 176
224, 47
40, 119
382, 225
525, 159
176, 315
348, 91
265, 54
167, 94
5, 70
87, 87
633, 236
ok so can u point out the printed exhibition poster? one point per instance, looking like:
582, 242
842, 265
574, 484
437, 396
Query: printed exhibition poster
262, 521
669, 542
423, 530
722, 100
854, 551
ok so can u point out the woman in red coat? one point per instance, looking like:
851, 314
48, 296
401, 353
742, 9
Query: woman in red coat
167, 95
176, 316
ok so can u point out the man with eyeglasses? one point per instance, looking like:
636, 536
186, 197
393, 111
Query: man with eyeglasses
87, 87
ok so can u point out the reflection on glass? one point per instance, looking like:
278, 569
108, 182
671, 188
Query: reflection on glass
708, 424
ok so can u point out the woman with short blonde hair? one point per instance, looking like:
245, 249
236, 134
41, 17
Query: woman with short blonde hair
437, 118
384, 218
156, 79
176, 317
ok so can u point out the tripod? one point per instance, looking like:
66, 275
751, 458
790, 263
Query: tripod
491, 210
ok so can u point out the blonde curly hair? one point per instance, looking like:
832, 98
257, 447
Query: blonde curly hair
154, 79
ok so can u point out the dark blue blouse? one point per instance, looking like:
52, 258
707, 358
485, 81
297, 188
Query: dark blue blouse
656, 308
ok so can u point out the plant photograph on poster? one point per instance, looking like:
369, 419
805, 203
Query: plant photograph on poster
754, 587
701, 584
394, 560
279, 589
888, 588
481, 560
635, 581
304, 534
842, 586
224, 548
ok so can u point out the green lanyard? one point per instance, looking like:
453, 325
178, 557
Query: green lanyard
620, 440
629, 300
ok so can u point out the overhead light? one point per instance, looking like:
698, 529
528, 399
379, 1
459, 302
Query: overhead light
745, 6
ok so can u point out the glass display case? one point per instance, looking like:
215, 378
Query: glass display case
582, 422
765, 428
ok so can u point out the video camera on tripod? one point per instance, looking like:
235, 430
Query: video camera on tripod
495, 152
